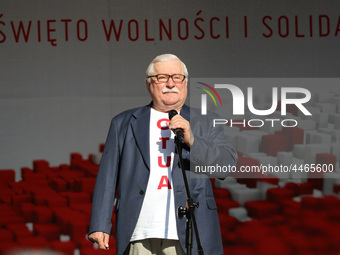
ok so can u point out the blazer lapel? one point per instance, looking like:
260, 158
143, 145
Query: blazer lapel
185, 112
140, 128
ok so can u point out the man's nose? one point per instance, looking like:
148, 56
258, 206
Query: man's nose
170, 83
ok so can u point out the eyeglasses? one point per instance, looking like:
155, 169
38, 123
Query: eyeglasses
177, 78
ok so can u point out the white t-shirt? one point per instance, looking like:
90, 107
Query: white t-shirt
157, 218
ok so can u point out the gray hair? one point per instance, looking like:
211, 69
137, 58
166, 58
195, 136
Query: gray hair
163, 58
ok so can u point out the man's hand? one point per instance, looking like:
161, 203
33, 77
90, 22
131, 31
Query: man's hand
179, 122
101, 238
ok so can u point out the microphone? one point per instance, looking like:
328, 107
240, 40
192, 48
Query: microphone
178, 131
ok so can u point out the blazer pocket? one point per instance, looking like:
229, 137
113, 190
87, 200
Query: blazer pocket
211, 203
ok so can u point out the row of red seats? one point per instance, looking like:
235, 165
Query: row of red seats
281, 224
56, 203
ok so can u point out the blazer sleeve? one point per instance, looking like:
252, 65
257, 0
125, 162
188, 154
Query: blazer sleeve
210, 147
105, 187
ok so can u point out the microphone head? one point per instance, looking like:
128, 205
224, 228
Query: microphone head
172, 113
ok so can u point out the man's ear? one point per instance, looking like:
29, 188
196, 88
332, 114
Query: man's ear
147, 85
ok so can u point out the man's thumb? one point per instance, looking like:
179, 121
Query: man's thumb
106, 241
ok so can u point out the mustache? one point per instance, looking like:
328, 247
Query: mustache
173, 90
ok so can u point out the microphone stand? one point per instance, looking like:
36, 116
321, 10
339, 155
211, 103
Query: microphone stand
189, 211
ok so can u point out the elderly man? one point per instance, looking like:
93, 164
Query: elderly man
141, 166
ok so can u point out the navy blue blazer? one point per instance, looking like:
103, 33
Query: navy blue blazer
124, 172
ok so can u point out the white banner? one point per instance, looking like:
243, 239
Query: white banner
68, 66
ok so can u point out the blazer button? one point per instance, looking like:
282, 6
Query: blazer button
141, 192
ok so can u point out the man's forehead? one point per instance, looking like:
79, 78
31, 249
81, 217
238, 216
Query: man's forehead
168, 65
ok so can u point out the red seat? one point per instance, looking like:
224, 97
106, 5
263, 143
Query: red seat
277, 195
58, 184
224, 204
33, 242
64, 216
19, 230
18, 199
42, 214
221, 193
294, 135
83, 208
261, 209
7, 175
49, 231
6, 235
84, 184
272, 144
8, 247
41, 166
6, 194
228, 223
77, 197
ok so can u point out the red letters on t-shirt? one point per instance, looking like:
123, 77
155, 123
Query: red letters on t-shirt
164, 182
